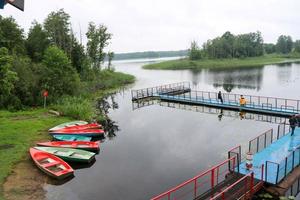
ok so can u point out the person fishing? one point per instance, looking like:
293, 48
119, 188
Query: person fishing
220, 97
293, 123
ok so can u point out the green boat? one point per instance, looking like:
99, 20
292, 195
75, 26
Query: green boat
68, 124
69, 154
71, 138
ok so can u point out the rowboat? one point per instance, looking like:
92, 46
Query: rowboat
50, 164
68, 124
89, 146
88, 132
81, 127
71, 138
69, 154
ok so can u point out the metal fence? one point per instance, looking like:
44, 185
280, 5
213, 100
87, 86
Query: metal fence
201, 183
241, 189
258, 102
209, 110
282, 168
162, 89
261, 142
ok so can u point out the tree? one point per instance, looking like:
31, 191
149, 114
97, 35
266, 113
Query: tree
78, 56
297, 46
270, 48
98, 39
7, 77
194, 51
57, 27
11, 35
59, 77
110, 55
284, 44
37, 41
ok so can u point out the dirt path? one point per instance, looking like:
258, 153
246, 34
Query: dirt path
26, 182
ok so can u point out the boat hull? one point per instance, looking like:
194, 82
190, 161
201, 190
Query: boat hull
88, 146
50, 164
69, 154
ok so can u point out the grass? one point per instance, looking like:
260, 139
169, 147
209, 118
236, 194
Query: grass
82, 107
19, 131
223, 63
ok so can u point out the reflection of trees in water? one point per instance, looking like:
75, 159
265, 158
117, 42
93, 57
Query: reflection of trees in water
103, 105
284, 72
248, 78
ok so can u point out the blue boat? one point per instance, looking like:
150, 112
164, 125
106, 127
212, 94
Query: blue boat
71, 138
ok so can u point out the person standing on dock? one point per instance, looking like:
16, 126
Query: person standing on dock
242, 101
293, 122
220, 96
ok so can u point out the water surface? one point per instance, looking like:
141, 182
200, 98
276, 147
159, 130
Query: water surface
158, 146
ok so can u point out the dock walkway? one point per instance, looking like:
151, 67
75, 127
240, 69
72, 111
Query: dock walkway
279, 158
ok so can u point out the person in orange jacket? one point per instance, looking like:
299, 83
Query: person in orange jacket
242, 101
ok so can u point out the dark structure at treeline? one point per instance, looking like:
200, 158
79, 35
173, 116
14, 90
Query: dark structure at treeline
241, 46
49, 58
150, 54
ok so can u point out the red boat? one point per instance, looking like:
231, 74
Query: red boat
87, 132
50, 164
80, 127
89, 146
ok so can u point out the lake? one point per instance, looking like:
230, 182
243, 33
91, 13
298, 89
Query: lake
158, 146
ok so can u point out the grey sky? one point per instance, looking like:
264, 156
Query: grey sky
141, 25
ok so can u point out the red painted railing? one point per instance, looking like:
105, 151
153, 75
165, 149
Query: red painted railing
201, 183
243, 188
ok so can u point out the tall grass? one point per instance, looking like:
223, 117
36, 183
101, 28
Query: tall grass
75, 107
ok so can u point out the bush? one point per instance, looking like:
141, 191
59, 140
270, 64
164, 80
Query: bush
75, 107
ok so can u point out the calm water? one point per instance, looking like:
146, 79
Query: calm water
158, 147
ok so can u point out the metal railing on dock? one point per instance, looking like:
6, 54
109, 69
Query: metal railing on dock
170, 89
253, 103
210, 110
200, 184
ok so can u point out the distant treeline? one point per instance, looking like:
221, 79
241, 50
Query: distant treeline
150, 54
242, 46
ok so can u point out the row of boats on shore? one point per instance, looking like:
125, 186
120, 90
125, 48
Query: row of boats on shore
74, 141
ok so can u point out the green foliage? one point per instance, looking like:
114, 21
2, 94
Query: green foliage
57, 27
11, 35
78, 56
284, 44
230, 46
270, 48
297, 46
37, 42
150, 54
7, 77
110, 55
98, 39
223, 63
194, 51
59, 78
75, 107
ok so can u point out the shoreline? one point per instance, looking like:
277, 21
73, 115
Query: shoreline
183, 64
19, 178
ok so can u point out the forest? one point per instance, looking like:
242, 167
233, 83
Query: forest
50, 58
242, 46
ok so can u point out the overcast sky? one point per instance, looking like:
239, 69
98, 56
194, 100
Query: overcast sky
142, 25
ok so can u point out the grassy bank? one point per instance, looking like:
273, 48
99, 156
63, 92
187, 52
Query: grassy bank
222, 63
19, 131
